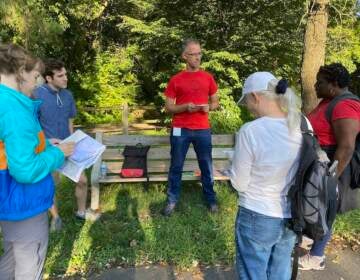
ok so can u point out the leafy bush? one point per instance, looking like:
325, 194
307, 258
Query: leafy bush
229, 118
110, 83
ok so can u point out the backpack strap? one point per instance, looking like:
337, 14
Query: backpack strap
297, 251
305, 126
308, 137
335, 101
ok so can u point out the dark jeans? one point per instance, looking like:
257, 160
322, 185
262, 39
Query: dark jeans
318, 248
201, 140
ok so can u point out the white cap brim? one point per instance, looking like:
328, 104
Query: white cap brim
241, 100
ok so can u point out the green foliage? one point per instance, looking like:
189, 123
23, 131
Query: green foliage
230, 117
27, 23
343, 44
126, 51
111, 82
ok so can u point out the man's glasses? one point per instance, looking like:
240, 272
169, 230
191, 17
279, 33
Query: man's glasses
194, 54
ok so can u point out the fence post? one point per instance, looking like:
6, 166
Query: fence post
125, 118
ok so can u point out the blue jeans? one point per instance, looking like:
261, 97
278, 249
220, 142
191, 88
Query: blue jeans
201, 140
263, 246
318, 248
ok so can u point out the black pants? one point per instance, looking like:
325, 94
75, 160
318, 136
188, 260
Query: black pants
349, 199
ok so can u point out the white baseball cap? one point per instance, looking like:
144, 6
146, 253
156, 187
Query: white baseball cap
256, 82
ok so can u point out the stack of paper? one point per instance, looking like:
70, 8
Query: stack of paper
86, 153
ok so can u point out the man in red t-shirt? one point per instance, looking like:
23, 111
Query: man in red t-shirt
190, 95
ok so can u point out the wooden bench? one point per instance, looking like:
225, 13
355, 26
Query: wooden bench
158, 160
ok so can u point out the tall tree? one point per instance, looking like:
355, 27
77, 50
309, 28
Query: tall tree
314, 50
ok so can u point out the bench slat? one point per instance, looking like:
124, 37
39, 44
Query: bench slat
122, 140
155, 178
163, 166
164, 153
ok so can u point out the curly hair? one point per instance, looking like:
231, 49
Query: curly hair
51, 65
335, 73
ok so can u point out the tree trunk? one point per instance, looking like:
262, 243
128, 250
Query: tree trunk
314, 51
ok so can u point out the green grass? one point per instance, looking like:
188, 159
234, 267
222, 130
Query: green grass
347, 227
131, 230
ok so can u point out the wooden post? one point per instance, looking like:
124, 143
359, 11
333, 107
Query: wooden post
125, 119
95, 175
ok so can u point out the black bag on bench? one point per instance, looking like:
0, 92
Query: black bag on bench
135, 161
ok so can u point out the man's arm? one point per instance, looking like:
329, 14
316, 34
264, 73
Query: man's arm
213, 105
172, 108
71, 126
214, 102
345, 131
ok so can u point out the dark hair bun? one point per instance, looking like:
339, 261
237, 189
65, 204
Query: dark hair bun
281, 86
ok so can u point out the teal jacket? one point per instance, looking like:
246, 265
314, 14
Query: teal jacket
26, 158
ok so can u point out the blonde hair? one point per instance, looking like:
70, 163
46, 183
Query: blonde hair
288, 102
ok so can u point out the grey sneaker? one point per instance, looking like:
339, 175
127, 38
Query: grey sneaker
88, 214
55, 224
169, 209
309, 262
306, 243
214, 208
81, 216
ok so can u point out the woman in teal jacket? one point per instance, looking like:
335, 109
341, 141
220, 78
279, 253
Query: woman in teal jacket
26, 162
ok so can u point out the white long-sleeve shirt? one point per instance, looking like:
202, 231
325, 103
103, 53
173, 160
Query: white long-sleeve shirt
264, 165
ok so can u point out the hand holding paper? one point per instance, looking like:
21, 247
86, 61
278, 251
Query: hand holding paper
67, 148
83, 152
203, 107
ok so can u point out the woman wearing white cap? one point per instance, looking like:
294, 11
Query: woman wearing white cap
265, 161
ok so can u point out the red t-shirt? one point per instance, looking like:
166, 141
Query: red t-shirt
195, 87
345, 109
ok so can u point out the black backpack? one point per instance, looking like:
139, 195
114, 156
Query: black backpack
313, 195
135, 162
355, 160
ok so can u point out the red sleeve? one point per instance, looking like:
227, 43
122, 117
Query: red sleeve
170, 90
347, 109
213, 86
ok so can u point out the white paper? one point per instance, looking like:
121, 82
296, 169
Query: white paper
86, 153
176, 131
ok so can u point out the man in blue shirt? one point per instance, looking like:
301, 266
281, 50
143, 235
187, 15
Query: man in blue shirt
56, 116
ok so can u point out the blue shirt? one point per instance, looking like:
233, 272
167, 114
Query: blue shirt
57, 109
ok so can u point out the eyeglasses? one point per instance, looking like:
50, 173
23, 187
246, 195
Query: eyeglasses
194, 54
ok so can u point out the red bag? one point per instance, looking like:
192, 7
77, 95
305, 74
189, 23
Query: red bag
132, 173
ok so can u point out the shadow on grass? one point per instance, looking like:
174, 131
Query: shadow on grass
125, 249
192, 235
62, 244
132, 236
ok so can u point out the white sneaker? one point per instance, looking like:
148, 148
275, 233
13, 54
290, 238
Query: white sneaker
56, 224
306, 242
309, 262
88, 214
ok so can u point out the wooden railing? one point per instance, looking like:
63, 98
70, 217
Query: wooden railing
124, 108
